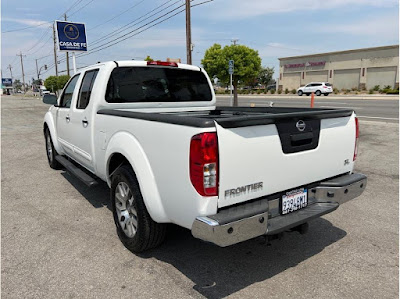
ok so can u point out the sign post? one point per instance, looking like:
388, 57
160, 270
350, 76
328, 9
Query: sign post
231, 69
71, 38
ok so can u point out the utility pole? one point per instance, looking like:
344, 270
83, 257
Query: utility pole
65, 18
22, 66
188, 34
37, 70
234, 41
10, 68
55, 49
12, 84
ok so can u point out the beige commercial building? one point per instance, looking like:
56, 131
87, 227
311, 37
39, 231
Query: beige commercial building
360, 68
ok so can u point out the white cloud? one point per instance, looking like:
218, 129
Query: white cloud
242, 9
28, 22
383, 27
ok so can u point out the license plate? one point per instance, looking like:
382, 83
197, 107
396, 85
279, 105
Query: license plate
294, 200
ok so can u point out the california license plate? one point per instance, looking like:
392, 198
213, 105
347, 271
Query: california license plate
294, 200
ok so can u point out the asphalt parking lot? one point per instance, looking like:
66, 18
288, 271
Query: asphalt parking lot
58, 237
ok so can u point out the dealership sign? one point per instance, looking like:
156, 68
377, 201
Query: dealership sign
296, 65
71, 36
6, 81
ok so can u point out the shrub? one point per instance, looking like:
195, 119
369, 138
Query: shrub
376, 88
335, 90
259, 91
293, 91
272, 91
371, 91
387, 87
286, 91
392, 91
279, 91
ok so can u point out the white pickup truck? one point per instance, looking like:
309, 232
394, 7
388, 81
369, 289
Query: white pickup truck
153, 132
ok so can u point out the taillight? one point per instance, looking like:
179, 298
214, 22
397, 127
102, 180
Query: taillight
204, 163
162, 63
357, 135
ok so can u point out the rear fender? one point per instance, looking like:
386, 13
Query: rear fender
127, 145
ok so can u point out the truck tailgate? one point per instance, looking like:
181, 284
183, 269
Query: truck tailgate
259, 160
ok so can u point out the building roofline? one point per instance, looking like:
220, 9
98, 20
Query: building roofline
341, 52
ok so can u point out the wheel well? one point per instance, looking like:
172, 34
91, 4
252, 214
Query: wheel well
116, 161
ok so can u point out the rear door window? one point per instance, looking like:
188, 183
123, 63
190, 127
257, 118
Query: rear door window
66, 98
157, 84
328, 84
86, 89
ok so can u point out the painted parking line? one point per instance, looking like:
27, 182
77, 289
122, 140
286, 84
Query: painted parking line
376, 117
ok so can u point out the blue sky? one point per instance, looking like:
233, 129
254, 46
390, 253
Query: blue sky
274, 28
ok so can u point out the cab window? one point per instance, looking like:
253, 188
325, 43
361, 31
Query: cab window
66, 98
86, 89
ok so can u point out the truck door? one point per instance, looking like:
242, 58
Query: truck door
64, 115
81, 124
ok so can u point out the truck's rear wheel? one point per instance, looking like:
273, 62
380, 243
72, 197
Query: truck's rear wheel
135, 228
50, 151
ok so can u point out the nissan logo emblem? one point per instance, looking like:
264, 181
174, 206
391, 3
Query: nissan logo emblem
301, 125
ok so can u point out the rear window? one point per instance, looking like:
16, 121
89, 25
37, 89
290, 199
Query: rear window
156, 84
328, 84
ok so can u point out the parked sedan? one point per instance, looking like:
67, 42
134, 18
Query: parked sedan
318, 88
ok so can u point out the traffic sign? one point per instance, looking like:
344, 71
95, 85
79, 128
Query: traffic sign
231, 67
71, 36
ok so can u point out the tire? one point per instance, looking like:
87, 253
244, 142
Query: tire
318, 93
326, 94
51, 153
300, 93
139, 232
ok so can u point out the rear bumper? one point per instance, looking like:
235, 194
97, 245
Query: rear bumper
262, 217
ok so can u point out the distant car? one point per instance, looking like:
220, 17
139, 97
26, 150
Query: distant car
318, 88
45, 92
271, 87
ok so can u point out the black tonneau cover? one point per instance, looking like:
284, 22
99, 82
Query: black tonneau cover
232, 117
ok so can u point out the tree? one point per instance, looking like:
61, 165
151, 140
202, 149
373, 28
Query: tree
148, 58
54, 83
265, 75
62, 80
17, 84
247, 64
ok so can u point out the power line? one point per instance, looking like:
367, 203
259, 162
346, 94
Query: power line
121, 29
116, 16
81, 8
105, 47
24, 28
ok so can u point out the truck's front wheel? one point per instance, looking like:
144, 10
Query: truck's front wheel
51, 151
135, 228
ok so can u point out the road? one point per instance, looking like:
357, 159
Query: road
58, 238
368, 109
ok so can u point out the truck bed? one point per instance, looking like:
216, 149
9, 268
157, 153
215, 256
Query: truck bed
231, 117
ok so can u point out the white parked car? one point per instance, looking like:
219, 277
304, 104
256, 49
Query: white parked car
318, 88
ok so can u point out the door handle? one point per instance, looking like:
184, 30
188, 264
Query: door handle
85, 122
67, 118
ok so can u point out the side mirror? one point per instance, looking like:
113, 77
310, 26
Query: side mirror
50, 99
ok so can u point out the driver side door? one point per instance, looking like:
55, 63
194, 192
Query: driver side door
64, 115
